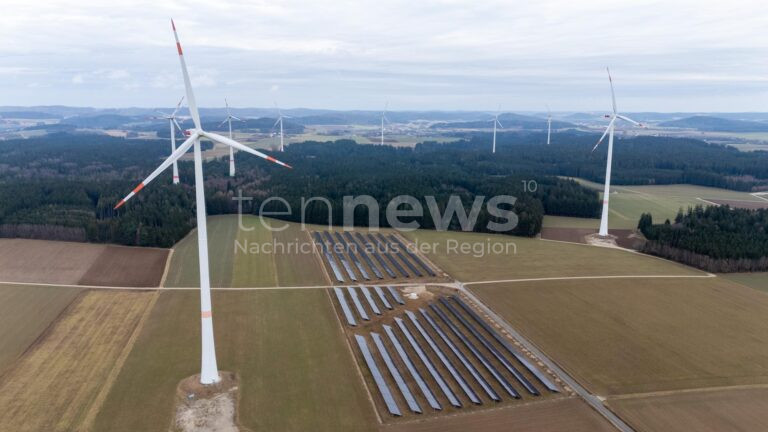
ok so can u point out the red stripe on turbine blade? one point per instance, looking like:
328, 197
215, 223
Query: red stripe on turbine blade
120, 204
138, 188
178, 47
206, 314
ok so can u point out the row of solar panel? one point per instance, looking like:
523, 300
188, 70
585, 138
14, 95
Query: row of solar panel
447, 361
369, 298
336, 247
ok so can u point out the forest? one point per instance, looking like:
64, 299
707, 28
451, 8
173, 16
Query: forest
64, 186
73, 181
714, 238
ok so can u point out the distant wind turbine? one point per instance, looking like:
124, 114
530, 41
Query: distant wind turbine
496, 122
231, 150
383, 119
609, 131
209, 373
174, 124
280, 118
549, 124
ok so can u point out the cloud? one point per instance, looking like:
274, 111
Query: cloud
447, 54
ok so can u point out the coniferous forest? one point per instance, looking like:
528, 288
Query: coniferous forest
64, 186
714, 238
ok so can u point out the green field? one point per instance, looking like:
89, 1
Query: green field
663, 202
296, 371
642, 335
758, 281
232, 267
534, 258
25, 312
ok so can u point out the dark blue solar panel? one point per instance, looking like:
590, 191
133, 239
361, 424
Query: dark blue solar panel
380, 383
404, 390
369, 298
412, 369
344, 306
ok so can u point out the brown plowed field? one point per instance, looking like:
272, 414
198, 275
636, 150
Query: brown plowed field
733, 410
67, 263
554, 415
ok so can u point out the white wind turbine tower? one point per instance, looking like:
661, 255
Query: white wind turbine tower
609, 131
496, 122
174, 124
383, 119
280, 118
209, 373
231, 150
549, 124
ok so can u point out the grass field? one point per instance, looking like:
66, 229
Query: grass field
25, 312
662, 201
53, 386
295, 371
534, 258
66, 263
257, 266
642, 335
758, 281
735, 410
558, 415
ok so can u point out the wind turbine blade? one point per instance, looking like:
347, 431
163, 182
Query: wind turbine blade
238, 119
177, 124
187, 84
163, 166
497, 121
604, 134
224, 122
238, 146
276, 122
625, 118
613, 95
178, 106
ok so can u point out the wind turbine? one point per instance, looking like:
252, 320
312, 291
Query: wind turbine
496, 122
209, 373
174, 124
280, 118
609, 131
383, 119
231, 150
549, 124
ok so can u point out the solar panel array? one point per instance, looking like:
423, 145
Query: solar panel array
369, 256
446, 348
384, 299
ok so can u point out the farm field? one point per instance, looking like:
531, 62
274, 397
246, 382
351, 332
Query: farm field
255, 266
296, 372
758, 281
662, 201
25, 312
67, 263
534, 258
739, 410
555, 415
642, 335
57, 381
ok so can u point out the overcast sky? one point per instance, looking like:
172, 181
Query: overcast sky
697, 55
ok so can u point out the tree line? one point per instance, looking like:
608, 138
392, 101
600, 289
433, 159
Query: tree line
714, 238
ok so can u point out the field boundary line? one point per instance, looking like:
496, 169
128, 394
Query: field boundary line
166, 269
662, 393
709, 275
98, 402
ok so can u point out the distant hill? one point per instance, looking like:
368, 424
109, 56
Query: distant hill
263, 124
27, 115
103, 121
716, 124
508, 120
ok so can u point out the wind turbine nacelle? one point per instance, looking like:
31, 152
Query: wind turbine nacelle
607, 116
187, 132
